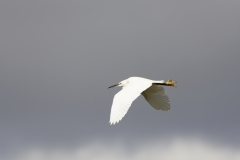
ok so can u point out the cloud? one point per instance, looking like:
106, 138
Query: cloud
180, 148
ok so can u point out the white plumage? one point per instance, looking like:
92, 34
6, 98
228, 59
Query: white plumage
152, 91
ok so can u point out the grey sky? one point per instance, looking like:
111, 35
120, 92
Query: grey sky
57, 59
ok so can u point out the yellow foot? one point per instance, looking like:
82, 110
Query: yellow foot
171, 83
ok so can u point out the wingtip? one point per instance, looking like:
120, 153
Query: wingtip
113, 122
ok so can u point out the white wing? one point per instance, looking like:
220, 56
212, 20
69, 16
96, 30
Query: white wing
124, 98
157, 98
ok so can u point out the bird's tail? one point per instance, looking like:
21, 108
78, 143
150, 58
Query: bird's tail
171, 83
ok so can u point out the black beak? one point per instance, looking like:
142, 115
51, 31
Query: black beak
113, 86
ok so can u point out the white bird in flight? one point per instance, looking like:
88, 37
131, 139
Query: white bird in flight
132, 87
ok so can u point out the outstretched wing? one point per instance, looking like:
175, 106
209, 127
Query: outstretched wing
156, 97
124, 98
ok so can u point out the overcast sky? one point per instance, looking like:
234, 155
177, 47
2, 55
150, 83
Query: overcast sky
58, 57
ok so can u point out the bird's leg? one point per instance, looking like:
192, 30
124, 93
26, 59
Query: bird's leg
171, 83
168, 83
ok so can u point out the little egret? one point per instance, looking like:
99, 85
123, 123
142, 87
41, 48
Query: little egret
132, 87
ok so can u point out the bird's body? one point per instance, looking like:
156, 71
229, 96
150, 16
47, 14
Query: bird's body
152, 91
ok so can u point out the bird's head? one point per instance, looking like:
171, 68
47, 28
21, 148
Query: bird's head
120, 84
